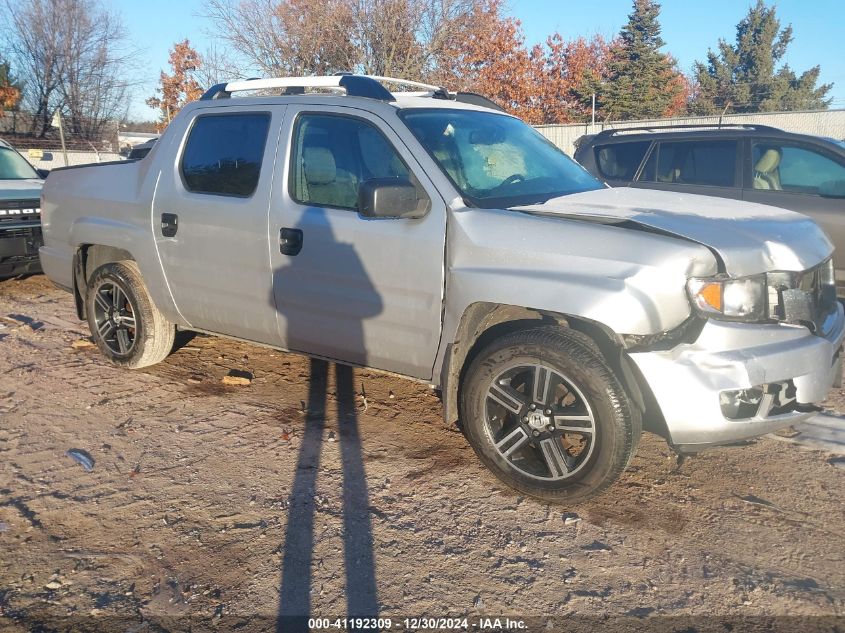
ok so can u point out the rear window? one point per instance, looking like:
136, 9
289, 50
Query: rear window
692, 163
223, 154
620, 161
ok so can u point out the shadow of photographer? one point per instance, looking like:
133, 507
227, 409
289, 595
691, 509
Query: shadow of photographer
328, 260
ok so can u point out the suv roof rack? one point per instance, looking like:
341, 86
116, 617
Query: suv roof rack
369, 86
697, 126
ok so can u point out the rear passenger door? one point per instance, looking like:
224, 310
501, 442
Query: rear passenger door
709, 167
210, 215
355, 289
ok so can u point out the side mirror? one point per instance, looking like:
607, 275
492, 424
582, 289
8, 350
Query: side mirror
389, 198
43, 173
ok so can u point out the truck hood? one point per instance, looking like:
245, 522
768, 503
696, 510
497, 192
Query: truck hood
20, 189
749, 238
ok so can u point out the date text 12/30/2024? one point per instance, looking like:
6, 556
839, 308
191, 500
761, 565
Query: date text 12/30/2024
417, 624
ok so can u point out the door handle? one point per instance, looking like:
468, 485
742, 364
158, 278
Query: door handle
169, 224
290, 241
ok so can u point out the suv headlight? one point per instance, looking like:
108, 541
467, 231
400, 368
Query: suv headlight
741, 299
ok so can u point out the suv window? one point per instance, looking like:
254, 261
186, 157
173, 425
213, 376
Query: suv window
781, 167
223, 153
13, 166
620, 161
334, 154
692, 163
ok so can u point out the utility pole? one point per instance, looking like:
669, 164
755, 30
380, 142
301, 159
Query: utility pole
57, 122
594, 108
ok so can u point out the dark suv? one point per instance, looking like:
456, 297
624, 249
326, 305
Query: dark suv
20, 213
757, 163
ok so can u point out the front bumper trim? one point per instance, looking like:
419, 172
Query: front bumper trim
687, 380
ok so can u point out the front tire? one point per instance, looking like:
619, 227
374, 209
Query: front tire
543, 410
125, 324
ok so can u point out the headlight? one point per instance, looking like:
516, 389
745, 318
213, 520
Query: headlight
742, 299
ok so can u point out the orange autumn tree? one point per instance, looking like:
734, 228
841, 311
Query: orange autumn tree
571, 73
486, 54
10, 91
551, 83
181, 86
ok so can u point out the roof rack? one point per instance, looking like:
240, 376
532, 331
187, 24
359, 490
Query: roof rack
699, 126
369, 86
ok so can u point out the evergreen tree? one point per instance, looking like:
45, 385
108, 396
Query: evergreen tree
744, 77
643, 82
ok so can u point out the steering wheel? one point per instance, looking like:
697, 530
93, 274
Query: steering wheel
513, 178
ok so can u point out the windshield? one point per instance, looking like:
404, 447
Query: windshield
13, 166
496, 161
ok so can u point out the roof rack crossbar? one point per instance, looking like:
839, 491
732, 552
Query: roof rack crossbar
353, 85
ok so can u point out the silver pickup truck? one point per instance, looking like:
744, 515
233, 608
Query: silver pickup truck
427, 234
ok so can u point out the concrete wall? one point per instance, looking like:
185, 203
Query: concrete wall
821, 123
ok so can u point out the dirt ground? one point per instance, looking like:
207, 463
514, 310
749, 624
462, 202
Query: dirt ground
225, 507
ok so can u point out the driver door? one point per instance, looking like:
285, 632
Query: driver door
359, 290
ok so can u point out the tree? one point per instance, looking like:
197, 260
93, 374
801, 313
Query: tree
487, 55
642, 81
35, 44
180, 87
744, 77
67, 54
459, 44
10, 89
573, 71
93, 86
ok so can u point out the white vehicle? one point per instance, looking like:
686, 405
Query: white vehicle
433, 237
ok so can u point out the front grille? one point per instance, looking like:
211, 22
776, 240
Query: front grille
805, 298
17, 211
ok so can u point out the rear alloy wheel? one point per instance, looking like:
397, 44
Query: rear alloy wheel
127, 327
546, 414
114, 317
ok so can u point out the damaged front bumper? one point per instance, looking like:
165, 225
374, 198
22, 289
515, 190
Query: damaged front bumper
738, 380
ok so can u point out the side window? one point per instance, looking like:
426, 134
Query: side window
780, 167
692, 163
223, 153
620, 161
333, 155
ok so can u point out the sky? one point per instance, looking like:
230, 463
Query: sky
689, 29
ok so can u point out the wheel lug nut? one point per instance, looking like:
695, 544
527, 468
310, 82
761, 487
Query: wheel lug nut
536, 432
551, 427
525, 419
532, 406
548, 411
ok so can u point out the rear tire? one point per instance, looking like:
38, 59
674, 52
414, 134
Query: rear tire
543, 410
125, 324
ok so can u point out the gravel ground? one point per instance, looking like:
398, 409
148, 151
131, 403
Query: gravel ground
225, 506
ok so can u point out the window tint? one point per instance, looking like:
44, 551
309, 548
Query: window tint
692, 163
620, 161
223, 153
333, 155
782, 167
14, 167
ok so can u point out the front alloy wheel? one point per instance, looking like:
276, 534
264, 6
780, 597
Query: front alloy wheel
540, 422
546, 413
